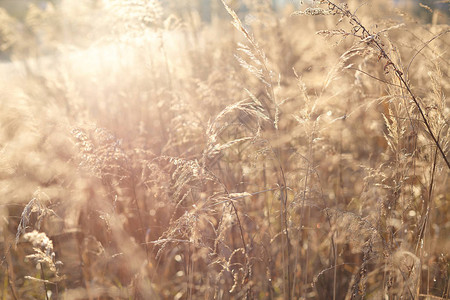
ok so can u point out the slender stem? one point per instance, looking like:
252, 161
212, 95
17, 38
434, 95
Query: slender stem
335, 264
141, 220
9, 271
43, 280
425, 120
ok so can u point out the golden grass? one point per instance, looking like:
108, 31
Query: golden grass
148, 154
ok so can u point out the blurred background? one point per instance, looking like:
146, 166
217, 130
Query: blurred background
207, 8
427, 11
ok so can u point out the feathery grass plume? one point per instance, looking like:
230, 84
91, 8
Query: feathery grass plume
43, 256
101, 154
260, 68
43, 248
248, 112
35, 205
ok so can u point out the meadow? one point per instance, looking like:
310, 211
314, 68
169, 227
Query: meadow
150, 152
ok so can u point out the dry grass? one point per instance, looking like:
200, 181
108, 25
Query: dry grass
147, 154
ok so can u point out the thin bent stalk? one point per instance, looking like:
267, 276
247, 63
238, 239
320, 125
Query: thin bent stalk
369, 38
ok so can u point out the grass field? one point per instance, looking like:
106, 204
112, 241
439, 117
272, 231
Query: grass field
149, 153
